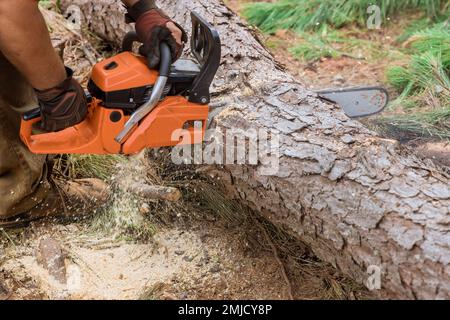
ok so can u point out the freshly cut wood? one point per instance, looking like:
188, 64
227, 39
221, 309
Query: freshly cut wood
362, 203
155, 192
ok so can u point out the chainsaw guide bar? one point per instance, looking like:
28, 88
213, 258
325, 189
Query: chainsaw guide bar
358, 102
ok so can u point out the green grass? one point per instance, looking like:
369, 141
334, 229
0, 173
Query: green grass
331, 43
425, 80
304, 15
316, 46
424, 84
435, 41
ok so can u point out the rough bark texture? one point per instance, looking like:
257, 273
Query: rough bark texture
355, 199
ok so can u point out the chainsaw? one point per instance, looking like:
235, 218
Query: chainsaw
131, 107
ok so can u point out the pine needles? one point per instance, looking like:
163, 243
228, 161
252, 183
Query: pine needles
304, 15
87, 166
424, 84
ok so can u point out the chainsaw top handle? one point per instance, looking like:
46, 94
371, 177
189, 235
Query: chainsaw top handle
205, 47
166, 60
166, 55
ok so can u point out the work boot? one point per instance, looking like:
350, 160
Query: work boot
80, 197
63, 106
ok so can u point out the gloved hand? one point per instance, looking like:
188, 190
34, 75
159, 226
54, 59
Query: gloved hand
153, 26
62, 106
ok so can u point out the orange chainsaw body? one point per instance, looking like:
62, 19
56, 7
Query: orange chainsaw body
96, 134
120, 86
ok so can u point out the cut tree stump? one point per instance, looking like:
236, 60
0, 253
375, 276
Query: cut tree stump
358, 201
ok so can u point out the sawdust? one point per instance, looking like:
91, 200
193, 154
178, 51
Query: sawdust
186, 261
91, 275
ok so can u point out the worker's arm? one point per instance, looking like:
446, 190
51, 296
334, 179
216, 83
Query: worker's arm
25, 42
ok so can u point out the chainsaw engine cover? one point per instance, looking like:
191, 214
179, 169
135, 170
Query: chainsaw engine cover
125, 82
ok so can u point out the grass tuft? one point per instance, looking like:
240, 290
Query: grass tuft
424, 82
435, 124
87, 166
304, 15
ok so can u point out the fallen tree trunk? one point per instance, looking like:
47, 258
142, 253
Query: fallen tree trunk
358, 201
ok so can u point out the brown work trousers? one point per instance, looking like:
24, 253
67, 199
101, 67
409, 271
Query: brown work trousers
22, 174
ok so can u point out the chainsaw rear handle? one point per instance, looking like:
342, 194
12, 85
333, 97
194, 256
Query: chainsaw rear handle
166, 55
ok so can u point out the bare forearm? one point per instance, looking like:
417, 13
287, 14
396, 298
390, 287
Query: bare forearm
25, 42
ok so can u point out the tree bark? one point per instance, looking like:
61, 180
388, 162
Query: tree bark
359, 201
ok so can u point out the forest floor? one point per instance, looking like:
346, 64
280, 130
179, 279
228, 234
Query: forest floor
203, 260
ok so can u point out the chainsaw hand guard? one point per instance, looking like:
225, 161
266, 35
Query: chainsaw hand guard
132, 107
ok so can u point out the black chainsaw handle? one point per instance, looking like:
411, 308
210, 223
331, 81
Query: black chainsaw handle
36, 113
165, 55
166, 60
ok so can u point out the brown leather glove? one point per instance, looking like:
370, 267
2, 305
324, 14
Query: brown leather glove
62, 106
153, 26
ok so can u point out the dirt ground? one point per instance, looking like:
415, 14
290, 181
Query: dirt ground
207, 260
200, 263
